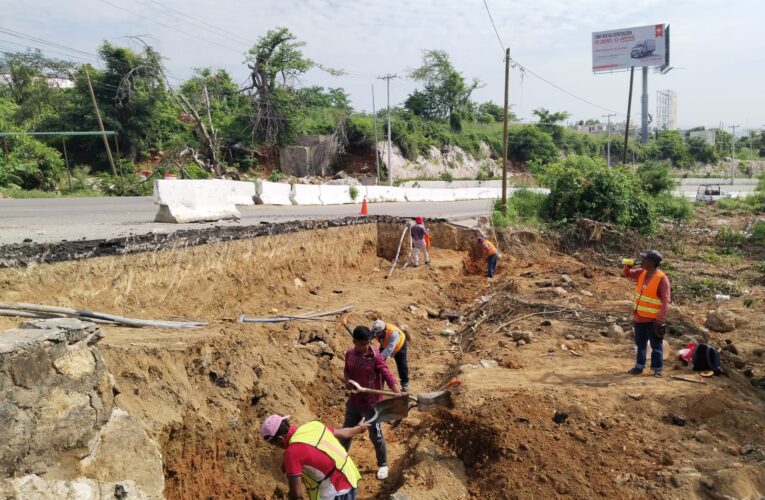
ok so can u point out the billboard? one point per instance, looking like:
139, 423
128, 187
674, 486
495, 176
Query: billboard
620, 49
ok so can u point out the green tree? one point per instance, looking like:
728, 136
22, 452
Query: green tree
671, 146
530, 145
445, 89
700, 151
654, 178
548, 121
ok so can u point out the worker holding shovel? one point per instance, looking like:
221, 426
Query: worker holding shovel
420, 241
314, 460
364, 364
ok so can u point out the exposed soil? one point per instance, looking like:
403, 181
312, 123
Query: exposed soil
202, 394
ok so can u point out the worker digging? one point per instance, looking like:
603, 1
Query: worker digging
393, 341
652, 298
490, 253
314, 460
365, 365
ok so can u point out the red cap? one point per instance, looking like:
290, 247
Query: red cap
418, 220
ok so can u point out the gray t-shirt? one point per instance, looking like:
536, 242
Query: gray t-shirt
418, 232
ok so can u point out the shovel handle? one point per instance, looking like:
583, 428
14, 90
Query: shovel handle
357, 388
344, 322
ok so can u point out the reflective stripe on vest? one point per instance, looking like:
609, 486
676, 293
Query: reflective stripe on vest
315, 434
647, 301
389, 329
488, 248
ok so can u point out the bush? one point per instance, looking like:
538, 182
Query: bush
446, 176
483, 175
586, 187
678, 210
194, 171
134, 185
500, 220
729, 237
758, 233
353, 192
530, 145
655, 178
276, 176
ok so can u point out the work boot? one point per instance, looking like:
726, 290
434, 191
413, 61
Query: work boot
657, 374
382, 473
404, 387
635, 371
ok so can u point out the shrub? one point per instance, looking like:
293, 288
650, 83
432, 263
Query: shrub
678, 210
353, 192
500, 220
586, 187
194, 171
727, 236
483, 175
276, 176
758, 233
654, 178
446, 176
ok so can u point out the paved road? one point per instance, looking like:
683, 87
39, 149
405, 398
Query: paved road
57, 219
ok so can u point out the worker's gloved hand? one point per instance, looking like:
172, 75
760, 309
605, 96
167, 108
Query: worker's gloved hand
659, 329
363, 424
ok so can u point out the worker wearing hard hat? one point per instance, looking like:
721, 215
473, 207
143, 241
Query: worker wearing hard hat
490, 253
420, 235
393, 342
314, 460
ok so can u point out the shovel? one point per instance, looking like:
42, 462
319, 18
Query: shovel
397, 408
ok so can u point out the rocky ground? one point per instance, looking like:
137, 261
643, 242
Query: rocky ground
545, 407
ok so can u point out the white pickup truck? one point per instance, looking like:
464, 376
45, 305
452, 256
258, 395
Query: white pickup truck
710, 193
642, 49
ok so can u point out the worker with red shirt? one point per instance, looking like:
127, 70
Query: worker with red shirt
365, 365
314, 460
652, 297
419, 234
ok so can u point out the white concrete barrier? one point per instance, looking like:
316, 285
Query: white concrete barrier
417, 194
377, 194
242, 192
182, 201
273, 193
306, 194
442, 194
339, 195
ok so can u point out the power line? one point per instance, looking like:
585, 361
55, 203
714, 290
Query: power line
494, 26
18, 34
165, 9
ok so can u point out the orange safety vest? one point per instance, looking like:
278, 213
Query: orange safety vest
488, 248
647, 301
389, 329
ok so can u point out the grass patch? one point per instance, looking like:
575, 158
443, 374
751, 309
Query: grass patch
687, 288
20, 194
523, 206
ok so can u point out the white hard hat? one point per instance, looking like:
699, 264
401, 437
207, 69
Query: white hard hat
378, 325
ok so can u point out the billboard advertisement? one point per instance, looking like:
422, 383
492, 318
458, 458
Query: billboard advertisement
643, 46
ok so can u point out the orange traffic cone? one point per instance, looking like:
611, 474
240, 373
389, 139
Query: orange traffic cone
364, 209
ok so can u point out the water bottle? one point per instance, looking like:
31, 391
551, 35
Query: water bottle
628, 262
721, 296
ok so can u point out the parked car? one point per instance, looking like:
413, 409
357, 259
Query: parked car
642, 49
710, 193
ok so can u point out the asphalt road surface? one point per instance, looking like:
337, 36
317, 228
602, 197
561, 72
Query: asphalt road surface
57, 219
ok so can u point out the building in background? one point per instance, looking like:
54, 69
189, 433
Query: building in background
666, 110
707, 135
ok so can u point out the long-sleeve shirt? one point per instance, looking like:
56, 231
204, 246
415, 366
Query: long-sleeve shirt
369, 371
663, 292
388, 349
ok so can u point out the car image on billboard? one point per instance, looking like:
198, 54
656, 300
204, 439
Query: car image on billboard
641, 46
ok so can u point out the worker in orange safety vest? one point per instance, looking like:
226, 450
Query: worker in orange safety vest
652, 297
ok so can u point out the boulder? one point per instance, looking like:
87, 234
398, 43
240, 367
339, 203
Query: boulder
720, 320
614, 331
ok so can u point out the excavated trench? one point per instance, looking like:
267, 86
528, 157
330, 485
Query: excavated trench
201, 394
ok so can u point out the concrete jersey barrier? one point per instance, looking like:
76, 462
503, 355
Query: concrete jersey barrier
273, 193
182, 201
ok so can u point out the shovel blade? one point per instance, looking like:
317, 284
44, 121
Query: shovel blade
428, 401
391, 409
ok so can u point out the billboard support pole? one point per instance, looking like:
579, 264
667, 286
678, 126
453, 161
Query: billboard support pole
629, 109
644, 102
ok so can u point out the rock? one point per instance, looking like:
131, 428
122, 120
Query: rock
488, 363
447, 332
586, 293
560, 416
340, 175
676, 480
76, 363
502, 344
708, 482
517, 335
636, 396
703, 436
570, 337
614, 331
520, 343
546, 322
426, 451
565, 278
559, 291
676, 420
122, 449
720, 320
587, 273
665, 459
544, 283
730, 348
400, 495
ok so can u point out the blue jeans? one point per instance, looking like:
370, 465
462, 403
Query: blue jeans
402, 365
351, 495
491, 265
352, 417
643, 335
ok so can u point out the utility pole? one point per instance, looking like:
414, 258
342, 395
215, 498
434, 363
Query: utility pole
733, 151
374, 119
609, 115
387, 79
627, 123
100, 123
504, 132
644, 102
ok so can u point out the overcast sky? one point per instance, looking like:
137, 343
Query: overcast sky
718, 47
